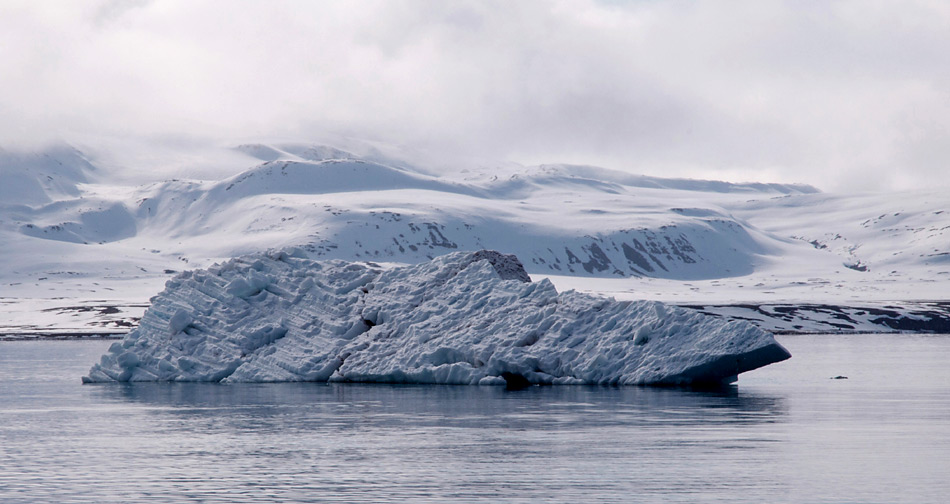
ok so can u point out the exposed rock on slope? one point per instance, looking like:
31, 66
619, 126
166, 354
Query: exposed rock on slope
462, 318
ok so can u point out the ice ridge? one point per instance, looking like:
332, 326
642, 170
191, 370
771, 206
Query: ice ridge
461, 318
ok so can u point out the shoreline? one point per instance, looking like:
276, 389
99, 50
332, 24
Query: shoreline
60, 335
895, 317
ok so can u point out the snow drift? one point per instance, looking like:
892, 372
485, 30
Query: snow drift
462, 318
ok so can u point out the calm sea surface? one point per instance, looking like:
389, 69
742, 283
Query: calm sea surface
786, 433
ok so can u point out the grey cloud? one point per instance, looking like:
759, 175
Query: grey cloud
841, 94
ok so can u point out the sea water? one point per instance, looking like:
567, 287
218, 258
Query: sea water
789, 432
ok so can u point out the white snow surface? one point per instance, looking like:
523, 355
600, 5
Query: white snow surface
461, 318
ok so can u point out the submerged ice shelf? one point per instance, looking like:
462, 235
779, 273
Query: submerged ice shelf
461, 318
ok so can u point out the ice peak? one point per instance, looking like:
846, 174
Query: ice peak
508, 266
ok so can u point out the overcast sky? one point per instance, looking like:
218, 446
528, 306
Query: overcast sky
849, 95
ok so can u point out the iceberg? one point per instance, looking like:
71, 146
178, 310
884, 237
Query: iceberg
461, 318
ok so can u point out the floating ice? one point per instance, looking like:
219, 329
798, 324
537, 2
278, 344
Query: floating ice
462, 318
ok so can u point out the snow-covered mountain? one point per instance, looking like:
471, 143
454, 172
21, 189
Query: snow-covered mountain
36, 178
100, 248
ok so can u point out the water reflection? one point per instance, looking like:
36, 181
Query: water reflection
393, 443
452, 406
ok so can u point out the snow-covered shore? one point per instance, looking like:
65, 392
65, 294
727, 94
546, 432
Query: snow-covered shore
462, 318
